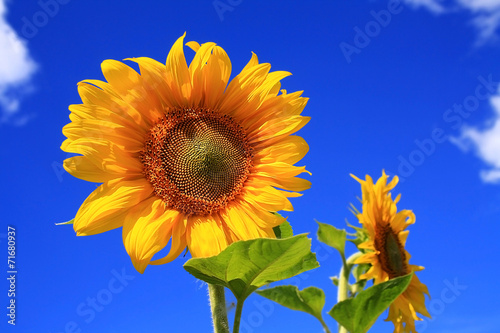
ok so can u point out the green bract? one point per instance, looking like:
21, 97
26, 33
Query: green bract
284, 230
332, 236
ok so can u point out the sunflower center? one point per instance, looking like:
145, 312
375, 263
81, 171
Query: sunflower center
392, 256
197, 160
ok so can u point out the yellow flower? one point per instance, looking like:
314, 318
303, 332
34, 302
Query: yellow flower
386, 250
183, 156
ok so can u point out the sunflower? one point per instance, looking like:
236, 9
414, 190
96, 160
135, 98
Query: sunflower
184, 157
385, 250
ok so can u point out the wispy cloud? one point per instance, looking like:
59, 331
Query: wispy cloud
434, 6
16, 70
485, 142
485, 14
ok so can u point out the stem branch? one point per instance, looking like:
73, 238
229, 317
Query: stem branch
325, 327
237, 316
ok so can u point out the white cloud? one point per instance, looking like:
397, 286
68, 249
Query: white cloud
16, 70
485, 14
485, 17
434, 6
486, 143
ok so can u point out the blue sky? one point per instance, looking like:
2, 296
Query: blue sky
408, 87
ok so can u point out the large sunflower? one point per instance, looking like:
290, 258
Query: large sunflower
183, 156
386, 251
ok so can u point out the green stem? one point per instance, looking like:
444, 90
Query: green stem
325, 327
345, 271
218, 307
237, 316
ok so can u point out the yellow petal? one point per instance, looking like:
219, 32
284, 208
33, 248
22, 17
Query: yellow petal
196, 67
81, 112
256, 97
131, 88
279, 169
267, 197
216, 74
81, 167
102, 129
104, 154
367, 258
254, 61
290, 149
205, 236
402, 236
178, 77
178, 241
239, 89
285, 183
156, 81
278, 127
415, 293
195, 46
121, 77
284, 105
240, 223
106, 207
264, 218
147, 230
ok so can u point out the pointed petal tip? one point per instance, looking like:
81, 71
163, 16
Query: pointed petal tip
357, 179
140, 265
193, 45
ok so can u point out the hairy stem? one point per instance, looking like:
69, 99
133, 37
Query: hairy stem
218, 307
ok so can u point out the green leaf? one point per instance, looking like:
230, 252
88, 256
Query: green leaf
68, 222
332, 236
360, 236
310, 300
284, 230
335, 280
356, 287
359, 270
358, 314
360, 284
245, 266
